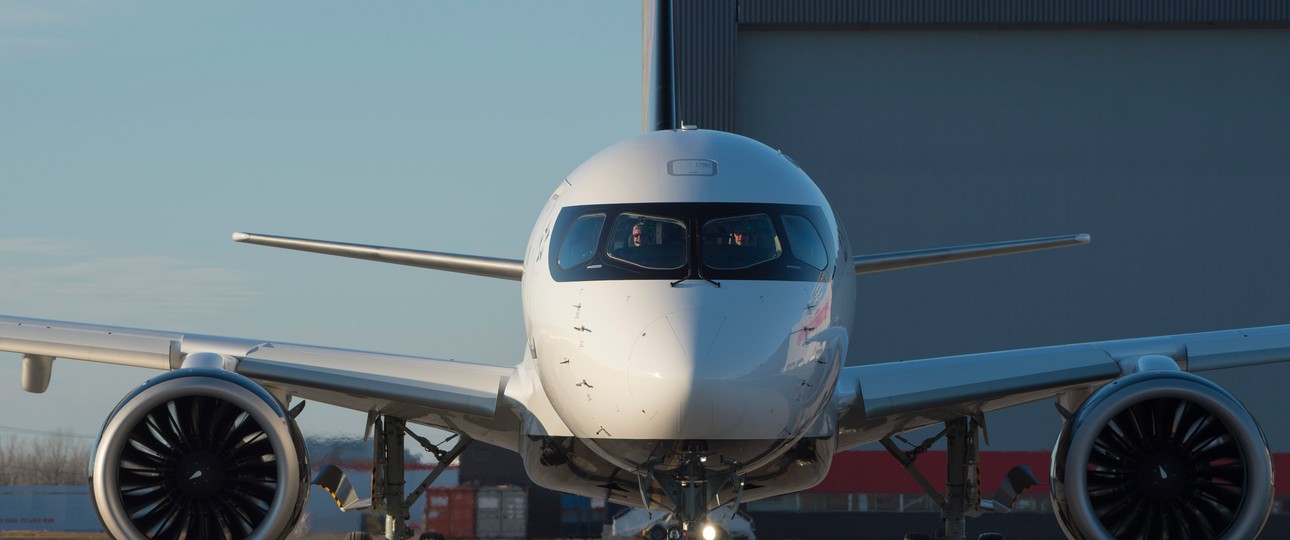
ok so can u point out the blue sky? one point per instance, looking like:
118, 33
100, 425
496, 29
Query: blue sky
135, 137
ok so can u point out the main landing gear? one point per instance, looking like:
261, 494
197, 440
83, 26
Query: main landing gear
963, 484
387, 475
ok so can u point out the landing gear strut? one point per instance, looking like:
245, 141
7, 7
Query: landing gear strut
690, 484
387, 472
962, 482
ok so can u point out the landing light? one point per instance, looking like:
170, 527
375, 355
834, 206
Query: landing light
709, 532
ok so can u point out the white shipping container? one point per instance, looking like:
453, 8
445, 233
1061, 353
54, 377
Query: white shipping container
501, 512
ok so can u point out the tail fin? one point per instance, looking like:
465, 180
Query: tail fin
660, 76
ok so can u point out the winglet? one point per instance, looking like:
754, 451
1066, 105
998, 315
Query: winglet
882, 262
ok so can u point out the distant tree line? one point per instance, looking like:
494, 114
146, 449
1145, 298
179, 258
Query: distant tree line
53, 460
62, 458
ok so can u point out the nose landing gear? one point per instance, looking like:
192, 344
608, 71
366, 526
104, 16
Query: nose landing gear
691, 482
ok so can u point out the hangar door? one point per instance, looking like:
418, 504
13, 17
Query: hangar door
1170, 146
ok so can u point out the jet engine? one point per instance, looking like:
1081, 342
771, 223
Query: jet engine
196, 454
1161, 454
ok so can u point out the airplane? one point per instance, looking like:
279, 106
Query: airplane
688, 299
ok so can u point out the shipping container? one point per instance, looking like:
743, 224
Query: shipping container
47, 508
501, 512
353, 457
580, 517
450, 512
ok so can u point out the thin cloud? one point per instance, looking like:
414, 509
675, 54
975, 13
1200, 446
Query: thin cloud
39, 246
36, 14
19, 14
130, 286
36, 29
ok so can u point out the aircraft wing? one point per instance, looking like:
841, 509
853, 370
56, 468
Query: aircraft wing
877, 400
443, 393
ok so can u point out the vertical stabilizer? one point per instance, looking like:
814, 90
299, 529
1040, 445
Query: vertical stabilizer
660, 73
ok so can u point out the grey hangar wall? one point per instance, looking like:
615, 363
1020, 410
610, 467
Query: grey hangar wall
1161, 128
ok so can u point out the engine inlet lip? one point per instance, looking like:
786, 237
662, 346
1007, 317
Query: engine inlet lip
1116, 397
104, 471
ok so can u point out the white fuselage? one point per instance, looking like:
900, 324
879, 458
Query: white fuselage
628, 360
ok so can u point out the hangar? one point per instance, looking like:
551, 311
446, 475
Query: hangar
1160, 127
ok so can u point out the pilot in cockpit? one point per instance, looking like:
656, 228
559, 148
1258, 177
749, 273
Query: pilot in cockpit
740, 236
649, 242
642, 234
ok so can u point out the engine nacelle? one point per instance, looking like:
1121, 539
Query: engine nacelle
199, 453
1161, 454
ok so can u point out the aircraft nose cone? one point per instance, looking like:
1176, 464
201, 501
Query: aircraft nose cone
693, 367
661, 365
673, 346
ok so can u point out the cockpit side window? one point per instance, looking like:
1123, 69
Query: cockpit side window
805, 241
580, 244
652, 242
740, 242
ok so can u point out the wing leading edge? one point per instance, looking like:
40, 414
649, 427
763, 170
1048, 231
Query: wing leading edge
511, 269
881, 399
348, 378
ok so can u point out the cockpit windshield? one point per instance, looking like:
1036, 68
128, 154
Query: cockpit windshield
652, 242
673, 241
740, 242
